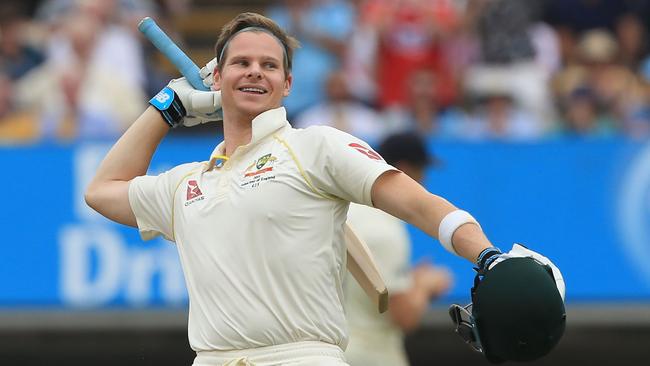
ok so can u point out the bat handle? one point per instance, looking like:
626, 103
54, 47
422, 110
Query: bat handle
178, 58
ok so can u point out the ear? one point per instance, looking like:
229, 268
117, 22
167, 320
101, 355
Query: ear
287, 85
216, 79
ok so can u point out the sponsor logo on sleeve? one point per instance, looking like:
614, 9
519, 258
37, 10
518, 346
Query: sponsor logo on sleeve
365, 151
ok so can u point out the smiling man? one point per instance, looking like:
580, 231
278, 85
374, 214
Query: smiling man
259, 224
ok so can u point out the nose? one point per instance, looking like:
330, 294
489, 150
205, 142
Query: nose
254, 71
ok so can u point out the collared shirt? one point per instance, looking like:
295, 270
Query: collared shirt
260, 236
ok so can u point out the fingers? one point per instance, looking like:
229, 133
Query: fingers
207, 71
205, 102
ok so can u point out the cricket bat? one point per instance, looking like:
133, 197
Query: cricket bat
360, 261
363, 268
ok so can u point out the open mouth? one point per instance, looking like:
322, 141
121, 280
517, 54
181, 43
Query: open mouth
252, 90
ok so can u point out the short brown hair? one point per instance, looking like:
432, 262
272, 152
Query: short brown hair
246, 20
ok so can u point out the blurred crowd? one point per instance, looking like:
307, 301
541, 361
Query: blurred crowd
468, 70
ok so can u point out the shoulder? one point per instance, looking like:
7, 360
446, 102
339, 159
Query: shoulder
321, 137
179, 172
319, 133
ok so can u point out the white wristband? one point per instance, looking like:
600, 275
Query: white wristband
449, 224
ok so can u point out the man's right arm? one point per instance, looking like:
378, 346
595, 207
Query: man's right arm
108, 192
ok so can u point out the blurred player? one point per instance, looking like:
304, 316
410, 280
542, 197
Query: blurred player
259, 225
376, 339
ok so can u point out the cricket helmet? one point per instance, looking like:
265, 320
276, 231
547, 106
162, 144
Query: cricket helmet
517, 311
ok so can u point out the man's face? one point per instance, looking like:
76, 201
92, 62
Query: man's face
252, 78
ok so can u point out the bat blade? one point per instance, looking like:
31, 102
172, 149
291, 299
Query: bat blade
363, 268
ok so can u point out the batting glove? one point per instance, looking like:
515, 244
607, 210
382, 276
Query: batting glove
179, 103
207, 71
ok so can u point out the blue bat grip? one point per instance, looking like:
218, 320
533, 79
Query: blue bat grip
164, 44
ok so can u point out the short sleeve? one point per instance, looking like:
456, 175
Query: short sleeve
341, 164
152, 199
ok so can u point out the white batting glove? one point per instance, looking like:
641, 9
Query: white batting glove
200, 106
207, 71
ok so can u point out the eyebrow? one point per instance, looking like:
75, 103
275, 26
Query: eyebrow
263, 58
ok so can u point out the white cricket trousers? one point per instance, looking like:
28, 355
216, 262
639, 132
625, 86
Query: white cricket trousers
309, 353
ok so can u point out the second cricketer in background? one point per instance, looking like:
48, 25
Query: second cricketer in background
377, 339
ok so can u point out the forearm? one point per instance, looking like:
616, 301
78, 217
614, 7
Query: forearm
400, 196
132, 153
107, 193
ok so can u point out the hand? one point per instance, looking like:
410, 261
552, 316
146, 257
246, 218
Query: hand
436, 280
200, 106
207, 72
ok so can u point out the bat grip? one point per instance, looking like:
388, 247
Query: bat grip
175, 55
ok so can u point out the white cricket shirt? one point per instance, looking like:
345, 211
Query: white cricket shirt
260, 237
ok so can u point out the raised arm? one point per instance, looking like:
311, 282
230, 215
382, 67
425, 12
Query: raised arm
108, 192
397, 194
177, 104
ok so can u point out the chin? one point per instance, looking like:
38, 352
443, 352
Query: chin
255, 108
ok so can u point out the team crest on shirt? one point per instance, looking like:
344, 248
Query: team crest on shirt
260, 170
365, 151
193, 192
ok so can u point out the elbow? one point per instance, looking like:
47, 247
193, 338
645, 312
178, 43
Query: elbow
91, 196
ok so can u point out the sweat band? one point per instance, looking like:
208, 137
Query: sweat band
285, 60
170, 107
449, 224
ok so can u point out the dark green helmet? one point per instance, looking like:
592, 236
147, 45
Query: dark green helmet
517, 312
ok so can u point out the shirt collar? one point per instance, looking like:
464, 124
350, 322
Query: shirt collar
263, 125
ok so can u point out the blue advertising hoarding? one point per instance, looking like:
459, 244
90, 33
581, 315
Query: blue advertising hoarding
584, 204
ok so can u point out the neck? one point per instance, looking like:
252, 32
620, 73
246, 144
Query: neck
236, 132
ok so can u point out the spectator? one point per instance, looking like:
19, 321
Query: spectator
360, 58
16, 126
497, 116
322, 27
618, 91
422, 112
584, 117
409, 34
631, 37
509, 59
78, 92
342, 111
17, 55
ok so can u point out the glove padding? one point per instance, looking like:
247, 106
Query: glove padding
206, 73
200, 106
520, 251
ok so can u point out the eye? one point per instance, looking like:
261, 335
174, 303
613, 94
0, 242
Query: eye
240, 62
270, 65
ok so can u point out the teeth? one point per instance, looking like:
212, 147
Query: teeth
254, 90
